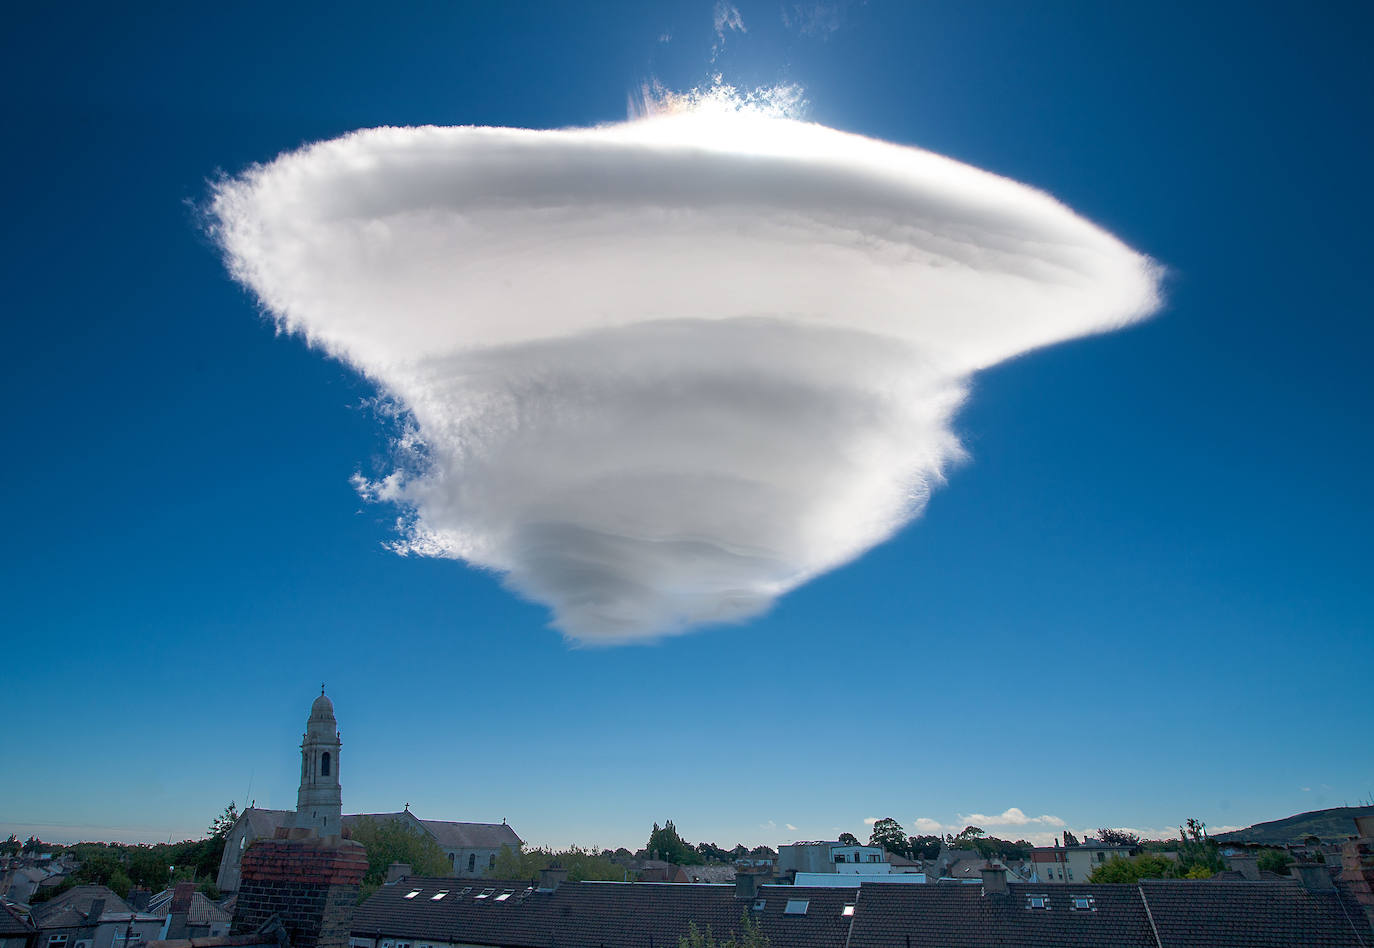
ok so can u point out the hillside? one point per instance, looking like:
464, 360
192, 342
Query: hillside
1332, 825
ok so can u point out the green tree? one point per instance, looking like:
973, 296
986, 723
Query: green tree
1275, 860
389, 841
666, 844
752, 936
1133, 869
923, 847
1117, 837
888, 833
583, 864
11, 846
849, 839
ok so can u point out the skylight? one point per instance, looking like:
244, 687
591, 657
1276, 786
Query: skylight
485, 893
438, 895
796, 906
1036, 902
412, 893
505, 895
847, 911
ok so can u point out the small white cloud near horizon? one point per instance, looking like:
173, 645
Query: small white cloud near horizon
657, 374
925, 826
790, 826
1012, 816
870, 820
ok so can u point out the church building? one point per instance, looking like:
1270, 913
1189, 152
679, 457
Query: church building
471, 848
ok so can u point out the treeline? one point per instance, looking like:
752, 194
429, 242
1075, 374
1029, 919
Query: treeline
890, 835
665, 843
124, 866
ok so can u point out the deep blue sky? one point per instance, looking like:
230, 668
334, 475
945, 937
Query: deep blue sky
1146, 597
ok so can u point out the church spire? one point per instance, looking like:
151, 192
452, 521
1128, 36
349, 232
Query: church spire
319, 802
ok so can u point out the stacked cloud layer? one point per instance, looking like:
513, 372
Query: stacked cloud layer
659, 373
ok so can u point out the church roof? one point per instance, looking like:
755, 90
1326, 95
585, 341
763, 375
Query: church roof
472, 835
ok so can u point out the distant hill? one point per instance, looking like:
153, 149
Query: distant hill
1332, 825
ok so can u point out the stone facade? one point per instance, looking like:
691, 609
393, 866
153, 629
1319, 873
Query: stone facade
1357, 866
310, 884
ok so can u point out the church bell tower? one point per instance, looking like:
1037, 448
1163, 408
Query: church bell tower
319, 802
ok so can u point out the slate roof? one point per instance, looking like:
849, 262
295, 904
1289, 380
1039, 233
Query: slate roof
956, 915
596, 914
202, 911
1154, 914
12, 923
1253, 915
70, 909
473, 835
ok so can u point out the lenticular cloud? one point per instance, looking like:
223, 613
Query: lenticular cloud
658, 373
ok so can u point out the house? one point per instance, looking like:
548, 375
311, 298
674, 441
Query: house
16, 931
831, 856
1154, 914
91, 916
1074, 863
447, 913
188, 913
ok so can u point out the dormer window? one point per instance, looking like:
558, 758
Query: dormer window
1037, 902
1083, 903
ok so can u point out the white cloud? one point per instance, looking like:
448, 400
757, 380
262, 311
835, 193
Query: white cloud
727, 20
870, 820
813, 17
925, 826
657, 374
790, 826
1012, 816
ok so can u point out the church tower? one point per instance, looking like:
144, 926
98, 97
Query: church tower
319, 802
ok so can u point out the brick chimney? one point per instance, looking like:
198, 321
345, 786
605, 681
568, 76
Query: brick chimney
396, 872
551, 878
1357, 865
179, 912
995, 879
310, 885
1246, 864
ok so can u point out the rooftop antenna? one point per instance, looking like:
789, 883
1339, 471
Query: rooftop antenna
249, 794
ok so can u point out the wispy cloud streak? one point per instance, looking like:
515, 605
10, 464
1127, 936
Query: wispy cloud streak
658, 373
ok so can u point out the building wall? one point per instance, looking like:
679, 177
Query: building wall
479, 859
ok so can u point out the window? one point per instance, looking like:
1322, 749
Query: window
505, 895
847, 911
55, 940
450, 860
324, 764
796, 906
472, 862
439, 895
760, 904
1101, 857
466, 890
1037, 902
491, 863
412, 893
1083, 903
484, 894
